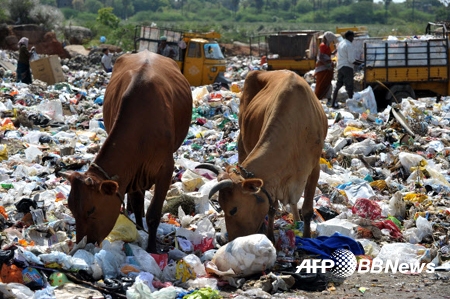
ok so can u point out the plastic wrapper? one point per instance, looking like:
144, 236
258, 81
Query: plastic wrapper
184, 271
246, 255
32, 278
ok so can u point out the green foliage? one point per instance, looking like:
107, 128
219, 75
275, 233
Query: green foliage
19, 10
107, 18
4, 17
48, 2
92, 6
70, 13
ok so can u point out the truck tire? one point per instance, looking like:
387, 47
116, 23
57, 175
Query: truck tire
400, 92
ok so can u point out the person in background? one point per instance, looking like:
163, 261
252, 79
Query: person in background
346, 61
164, 49
23, 72
107, 60
324, 67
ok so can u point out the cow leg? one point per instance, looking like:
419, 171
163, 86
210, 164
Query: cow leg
153, 216
135, 204
271, 220
307, 208
294, 210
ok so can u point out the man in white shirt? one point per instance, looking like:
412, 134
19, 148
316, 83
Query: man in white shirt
107, 60
345, 62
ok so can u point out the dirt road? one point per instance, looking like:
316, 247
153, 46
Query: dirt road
385, 285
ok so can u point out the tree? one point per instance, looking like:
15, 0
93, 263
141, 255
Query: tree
19, 10
92, 6
49, 16
106, 17
49, 2
78, 5
386, 5
259, 4
3, 14
235, 6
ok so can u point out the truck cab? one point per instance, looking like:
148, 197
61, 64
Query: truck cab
198, 55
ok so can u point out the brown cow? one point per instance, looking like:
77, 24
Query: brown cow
147, 112
282, 132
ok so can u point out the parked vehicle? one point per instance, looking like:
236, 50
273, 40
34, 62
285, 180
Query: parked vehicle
292, 50
198, 55
409, 67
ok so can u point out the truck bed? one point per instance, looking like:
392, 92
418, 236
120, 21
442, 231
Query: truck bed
406, 61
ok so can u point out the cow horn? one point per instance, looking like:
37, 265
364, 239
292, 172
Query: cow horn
88, 181
210, 167
220, 186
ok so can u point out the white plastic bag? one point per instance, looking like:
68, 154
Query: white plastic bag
409, 160
196, 264
146, 261
397, 206
401, 252
246, 255
363, 101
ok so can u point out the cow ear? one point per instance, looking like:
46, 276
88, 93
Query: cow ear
109, 187
223, 176
252, 185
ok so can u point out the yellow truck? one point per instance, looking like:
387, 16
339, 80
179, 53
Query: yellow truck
408, 67
292, 50
197, 54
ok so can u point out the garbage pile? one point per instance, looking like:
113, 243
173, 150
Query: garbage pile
382, 195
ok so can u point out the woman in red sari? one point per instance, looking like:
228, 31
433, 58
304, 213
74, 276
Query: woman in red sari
324, 67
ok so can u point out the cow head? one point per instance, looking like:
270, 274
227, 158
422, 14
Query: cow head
94, 204
243, 200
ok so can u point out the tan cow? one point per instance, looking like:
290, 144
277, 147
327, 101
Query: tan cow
147, 112
282, 132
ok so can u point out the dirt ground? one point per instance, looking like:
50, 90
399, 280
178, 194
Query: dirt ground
386, 285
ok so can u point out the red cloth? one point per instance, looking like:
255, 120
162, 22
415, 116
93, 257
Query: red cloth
323, 76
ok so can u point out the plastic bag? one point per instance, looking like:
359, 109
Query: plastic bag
409, 160
363, 101
397, 206
146, 261
370, 247
192, 181
423, 229
364, 147
401, 252
196, 264
18, 290
246, 255
366, 208
123, 230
